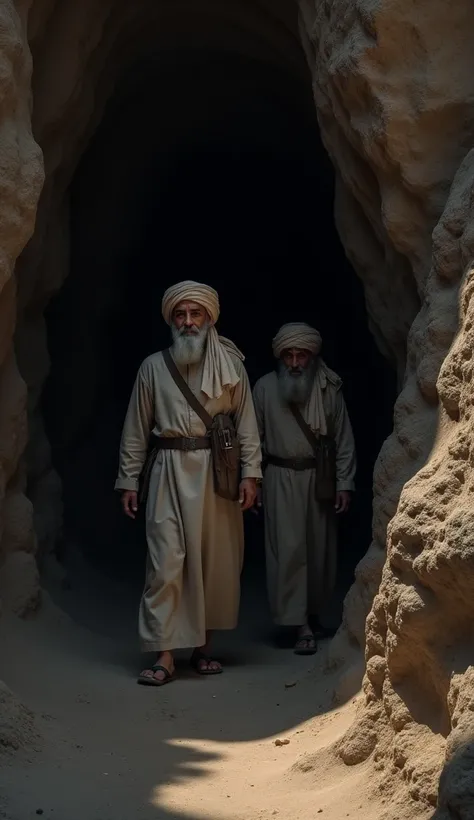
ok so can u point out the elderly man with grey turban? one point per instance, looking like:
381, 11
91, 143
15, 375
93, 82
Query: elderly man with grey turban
309, 459
195, 536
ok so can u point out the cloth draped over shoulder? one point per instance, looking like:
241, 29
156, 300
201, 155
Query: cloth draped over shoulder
219, 370
305, 337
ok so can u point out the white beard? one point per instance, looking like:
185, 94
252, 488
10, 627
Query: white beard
188, 348
295, 388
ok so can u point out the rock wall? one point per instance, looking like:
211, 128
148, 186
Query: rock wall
21, 178
397, 131
394, 89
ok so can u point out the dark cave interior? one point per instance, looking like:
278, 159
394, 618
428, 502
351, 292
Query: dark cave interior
227, 183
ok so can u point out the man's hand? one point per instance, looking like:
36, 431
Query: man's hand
248, 493
343, 500
129, 503
258, 503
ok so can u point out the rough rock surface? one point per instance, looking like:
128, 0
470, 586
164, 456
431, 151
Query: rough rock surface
399, 132
377, 115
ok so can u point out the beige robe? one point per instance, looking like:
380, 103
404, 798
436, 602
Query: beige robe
300, 532
195, 538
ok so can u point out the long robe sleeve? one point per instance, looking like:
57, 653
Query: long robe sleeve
259, 411
246, 426
345, 447
136, 433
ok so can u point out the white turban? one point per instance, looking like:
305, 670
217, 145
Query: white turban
301, 335
219, 370
297, 334
189, 291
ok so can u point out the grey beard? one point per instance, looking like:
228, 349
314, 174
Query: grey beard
189, 348
296, 389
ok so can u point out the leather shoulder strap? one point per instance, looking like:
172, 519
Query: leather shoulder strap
188, 394
305, 428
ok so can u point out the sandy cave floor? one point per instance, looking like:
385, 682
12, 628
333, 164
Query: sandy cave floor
198, 748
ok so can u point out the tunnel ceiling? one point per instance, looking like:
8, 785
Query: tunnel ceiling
114, 42
99, 45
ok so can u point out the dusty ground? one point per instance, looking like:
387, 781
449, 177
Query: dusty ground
199, 748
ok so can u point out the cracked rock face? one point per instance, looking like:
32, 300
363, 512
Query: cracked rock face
394, 89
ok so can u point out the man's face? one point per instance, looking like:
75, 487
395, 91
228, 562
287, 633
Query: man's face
296, 360
189, 318
296, 375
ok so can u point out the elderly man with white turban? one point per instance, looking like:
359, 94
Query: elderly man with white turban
194, 536
309, 459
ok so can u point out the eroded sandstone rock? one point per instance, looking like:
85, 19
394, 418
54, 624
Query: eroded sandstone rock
399, 132
21, 178
378, 114
419, 631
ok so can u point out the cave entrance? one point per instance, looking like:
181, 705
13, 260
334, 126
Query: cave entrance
229, 185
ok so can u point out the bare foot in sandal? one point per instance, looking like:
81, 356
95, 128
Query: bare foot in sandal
202, 662
160, 673
205, 665
306, 642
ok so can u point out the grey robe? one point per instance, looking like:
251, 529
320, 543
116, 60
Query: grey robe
300, 532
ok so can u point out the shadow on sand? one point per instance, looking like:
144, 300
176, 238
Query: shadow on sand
113, 749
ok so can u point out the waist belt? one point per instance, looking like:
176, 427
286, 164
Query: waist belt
182, 443
292, 463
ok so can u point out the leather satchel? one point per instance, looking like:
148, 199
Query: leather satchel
324, 449
225, 445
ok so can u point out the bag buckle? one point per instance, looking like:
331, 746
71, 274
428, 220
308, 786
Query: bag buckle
225, 439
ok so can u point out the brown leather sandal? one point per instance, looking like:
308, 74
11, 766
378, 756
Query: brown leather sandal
150, 680
199, 657
302, 645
